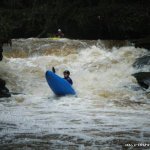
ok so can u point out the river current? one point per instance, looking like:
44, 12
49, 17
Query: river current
109, 112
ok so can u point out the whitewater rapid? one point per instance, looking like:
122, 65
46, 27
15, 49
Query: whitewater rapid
110, 109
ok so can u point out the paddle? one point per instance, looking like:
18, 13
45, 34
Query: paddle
53, 69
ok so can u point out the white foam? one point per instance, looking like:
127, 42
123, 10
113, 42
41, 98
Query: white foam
102, 79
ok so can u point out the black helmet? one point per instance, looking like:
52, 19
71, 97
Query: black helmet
67, 72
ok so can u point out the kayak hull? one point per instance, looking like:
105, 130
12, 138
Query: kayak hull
58, 85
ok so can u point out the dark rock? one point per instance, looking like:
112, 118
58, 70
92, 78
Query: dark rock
1, 56
142, 43
140, 62
4, 92
1, 53
143, 79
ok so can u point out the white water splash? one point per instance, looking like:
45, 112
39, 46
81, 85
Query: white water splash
107, 101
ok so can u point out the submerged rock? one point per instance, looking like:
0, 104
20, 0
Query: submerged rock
4, 92
143, 79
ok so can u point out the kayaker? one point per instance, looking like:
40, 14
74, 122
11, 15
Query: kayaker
66, 76
60, 34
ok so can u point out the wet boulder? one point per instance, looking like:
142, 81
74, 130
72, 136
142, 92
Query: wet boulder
1, 56
1, 53
143, 79
142, 43
4, 92
140, 62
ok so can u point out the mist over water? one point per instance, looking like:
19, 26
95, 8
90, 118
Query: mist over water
110, 108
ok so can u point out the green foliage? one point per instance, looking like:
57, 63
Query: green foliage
77, 18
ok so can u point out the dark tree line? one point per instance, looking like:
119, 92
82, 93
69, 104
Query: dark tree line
88, 19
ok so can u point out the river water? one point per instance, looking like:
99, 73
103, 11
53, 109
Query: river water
110, 109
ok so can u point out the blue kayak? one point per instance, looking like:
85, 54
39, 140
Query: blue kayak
58, 85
